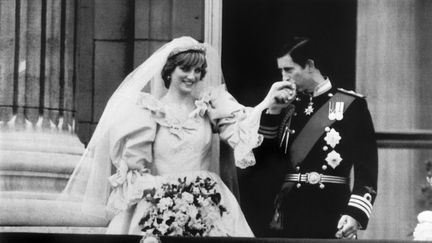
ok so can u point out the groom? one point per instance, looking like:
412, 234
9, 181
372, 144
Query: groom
310, 149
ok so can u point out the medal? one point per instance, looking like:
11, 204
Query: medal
309, 109
336, 110
332, 109
339, 110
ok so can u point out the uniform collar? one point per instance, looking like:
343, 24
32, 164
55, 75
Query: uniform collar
322, 87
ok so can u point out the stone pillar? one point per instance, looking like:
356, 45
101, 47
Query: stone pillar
38, 145
397, 83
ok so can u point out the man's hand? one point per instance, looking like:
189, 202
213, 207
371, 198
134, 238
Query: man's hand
281, 94
348, 227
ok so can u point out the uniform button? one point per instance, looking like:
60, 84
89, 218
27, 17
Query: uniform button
295, 114
327, 129
325, 148
292, 131
298, 185
297, 168
324, 167
297, 99
368, 197
322, 186
330, 94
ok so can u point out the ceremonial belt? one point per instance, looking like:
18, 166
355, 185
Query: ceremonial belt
316, 178
314, 128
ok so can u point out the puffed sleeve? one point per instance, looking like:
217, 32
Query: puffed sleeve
237, 125
130, 149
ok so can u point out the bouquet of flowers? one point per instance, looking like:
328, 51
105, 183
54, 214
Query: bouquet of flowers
184, 208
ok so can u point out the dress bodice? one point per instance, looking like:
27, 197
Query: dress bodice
182, 147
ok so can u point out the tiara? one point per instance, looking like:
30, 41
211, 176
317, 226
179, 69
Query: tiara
196, 47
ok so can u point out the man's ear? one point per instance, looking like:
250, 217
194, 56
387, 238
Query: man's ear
310, 65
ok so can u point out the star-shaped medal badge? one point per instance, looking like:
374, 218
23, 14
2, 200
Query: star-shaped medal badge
333, 159
332, 138
308, 111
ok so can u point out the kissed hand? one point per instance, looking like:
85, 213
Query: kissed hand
281, 94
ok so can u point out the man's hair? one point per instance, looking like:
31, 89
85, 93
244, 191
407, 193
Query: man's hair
302, 49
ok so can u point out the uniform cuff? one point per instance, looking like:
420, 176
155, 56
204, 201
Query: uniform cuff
269, 125
359, 208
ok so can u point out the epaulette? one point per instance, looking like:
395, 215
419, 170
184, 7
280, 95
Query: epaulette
351, 92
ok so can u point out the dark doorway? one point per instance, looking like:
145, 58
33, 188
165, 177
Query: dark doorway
254, 31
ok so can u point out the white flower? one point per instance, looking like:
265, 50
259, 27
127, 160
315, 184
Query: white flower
164, 203
181, 219
206, 202
333, 159
196, 224
200, 200
192, 211
332, 138
163, 228
180, 204
188, 197
196, 190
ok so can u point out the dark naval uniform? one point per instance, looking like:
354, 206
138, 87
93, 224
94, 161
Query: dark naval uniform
319, 141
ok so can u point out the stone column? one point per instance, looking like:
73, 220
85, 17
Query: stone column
38, 145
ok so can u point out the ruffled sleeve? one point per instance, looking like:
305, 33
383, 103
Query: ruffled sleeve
236, 124
131, 153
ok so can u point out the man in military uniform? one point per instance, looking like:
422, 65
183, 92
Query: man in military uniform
320, 137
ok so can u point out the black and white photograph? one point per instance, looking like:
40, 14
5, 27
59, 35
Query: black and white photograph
154, 121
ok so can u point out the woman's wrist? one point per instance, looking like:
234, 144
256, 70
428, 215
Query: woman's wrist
261, 107
274, 110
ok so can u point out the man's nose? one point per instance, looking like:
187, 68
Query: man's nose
285, 75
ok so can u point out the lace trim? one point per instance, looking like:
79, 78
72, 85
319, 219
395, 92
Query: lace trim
159, 114
249, 138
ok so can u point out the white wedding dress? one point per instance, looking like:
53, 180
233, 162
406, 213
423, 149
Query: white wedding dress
152, 138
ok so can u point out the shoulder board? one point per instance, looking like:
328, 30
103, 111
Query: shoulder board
351, 92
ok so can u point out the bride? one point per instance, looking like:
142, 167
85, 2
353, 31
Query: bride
159, 127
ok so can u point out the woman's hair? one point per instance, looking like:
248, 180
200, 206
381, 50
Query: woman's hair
186, 59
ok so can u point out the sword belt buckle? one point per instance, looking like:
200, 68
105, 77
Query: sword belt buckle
313, 178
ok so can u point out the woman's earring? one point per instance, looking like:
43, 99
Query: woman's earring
169, 77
